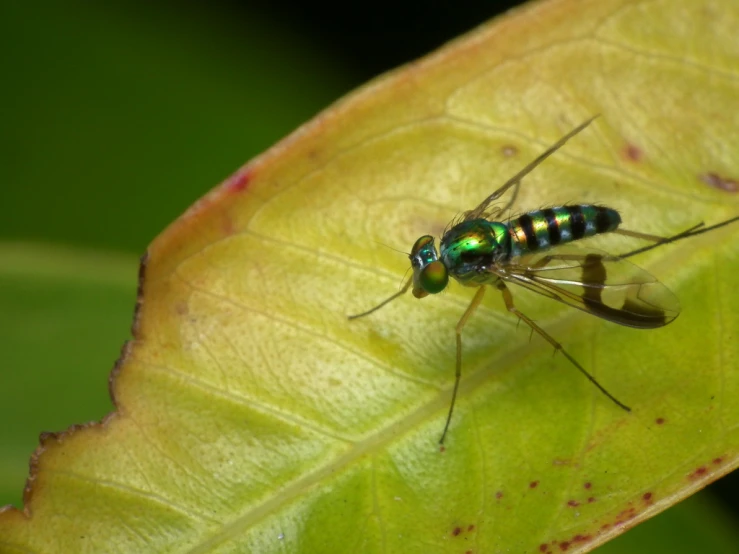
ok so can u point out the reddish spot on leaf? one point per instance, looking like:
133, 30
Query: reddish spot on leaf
659, 420
238, 181
471, 528
468, 552
591, 500
605, 526
581, 538
647, 497
633, 153
717, 461
499, 495
442, 448
564, 546
698, 472
228, 226
573, 503
721, 183
509, 151
457, 531
543, 547
533, 484
624, 516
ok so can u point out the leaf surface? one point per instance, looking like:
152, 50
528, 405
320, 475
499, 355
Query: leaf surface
252, 416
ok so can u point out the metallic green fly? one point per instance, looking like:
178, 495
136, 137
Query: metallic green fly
531, 250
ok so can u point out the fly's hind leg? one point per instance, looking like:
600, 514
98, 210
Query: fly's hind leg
510, 306
655, 239
698, 229
458, 370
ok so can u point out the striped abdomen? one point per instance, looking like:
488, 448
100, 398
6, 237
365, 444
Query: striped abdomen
549, 227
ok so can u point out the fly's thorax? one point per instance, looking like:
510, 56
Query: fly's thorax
470, 247
430, 275
542, 229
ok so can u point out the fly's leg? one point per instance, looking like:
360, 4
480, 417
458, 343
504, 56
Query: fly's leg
516, 179
546, 260
516, 186
508, 299
401, 292
698, 229
458, 370
657, 238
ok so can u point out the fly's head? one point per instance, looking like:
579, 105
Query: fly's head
430, 275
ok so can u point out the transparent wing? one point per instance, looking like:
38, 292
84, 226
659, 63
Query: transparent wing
597, 283
481, 211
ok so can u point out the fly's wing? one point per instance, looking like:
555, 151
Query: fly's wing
481, 211
597, 283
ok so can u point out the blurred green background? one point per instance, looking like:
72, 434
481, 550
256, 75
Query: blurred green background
117, 117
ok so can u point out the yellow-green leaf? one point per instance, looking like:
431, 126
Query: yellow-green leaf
253, 417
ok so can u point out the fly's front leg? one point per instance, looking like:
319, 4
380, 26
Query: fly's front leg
458, 370
508, 300
401, 292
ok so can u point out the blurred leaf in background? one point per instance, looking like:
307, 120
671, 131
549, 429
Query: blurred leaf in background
119, 116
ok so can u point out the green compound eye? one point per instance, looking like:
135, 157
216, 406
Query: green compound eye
434, 277
423, 242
